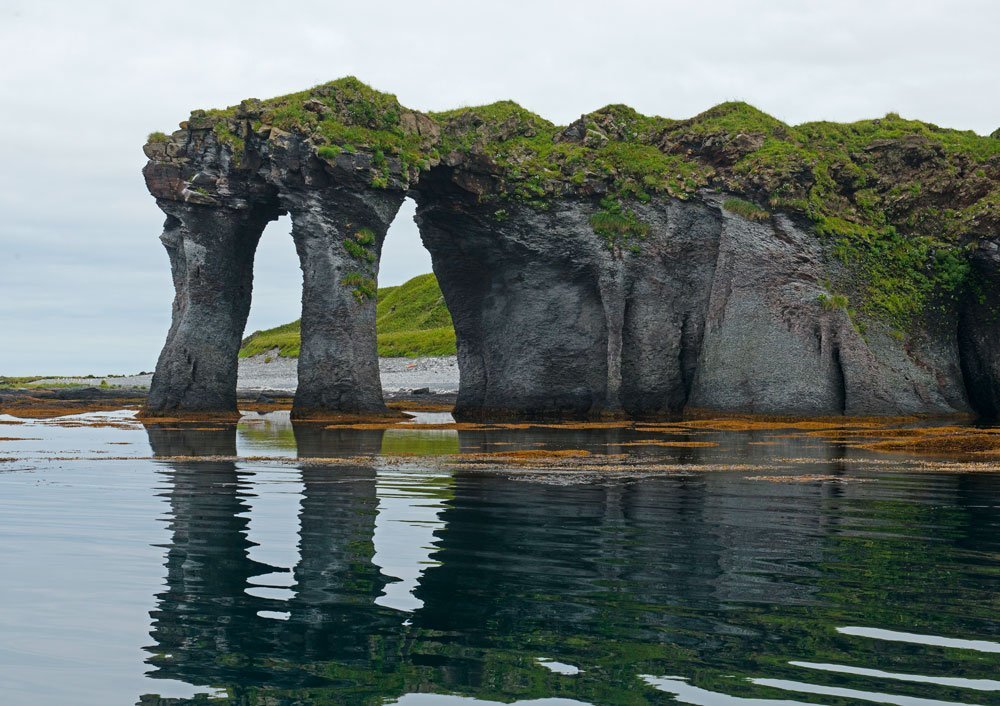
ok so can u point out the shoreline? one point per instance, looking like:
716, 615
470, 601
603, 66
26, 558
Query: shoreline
272, 374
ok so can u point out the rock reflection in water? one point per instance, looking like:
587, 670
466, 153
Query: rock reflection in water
708, 577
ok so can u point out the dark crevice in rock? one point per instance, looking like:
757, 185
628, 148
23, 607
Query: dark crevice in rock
611, 286
979, 334
839, 383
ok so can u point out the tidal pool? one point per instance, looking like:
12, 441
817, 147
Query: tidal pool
280, 565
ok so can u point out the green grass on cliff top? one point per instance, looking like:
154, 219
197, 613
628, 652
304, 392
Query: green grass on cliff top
412, 321
897, 201
632, 155
340, 116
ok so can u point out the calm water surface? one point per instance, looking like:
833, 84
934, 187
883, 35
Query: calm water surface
175, 566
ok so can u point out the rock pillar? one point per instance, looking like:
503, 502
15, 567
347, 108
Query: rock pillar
338, 236
211, 250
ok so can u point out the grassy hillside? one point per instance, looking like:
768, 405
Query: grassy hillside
412, 321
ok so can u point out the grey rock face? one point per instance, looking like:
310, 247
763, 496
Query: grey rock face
551, 323
713, 312
338, 362
216, 213
665, 305
527, 310
770, 346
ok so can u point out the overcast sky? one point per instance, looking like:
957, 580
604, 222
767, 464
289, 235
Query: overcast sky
84, 281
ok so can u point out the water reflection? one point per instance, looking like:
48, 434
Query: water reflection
701, 588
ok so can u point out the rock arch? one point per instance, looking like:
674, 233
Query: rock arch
216, 209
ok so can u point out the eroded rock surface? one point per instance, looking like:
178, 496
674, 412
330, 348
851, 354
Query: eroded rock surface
211, 254
218, 203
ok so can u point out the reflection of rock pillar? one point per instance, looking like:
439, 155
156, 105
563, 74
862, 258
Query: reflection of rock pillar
336, 581
338, 236
211, 253
521, 563
320, 441
204, 615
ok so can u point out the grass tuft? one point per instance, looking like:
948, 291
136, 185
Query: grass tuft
617, 224
746, 209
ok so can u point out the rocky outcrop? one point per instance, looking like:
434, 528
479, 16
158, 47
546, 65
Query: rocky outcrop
777, 342
550, 322
620, 266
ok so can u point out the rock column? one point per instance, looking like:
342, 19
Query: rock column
211, 250
338, 235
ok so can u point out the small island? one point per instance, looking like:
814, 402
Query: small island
620, 266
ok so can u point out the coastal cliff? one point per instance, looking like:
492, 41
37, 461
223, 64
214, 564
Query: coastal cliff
621, 265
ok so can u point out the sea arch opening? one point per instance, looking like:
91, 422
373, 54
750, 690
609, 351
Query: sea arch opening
412, 319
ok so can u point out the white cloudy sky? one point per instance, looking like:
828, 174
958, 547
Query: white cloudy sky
84, 283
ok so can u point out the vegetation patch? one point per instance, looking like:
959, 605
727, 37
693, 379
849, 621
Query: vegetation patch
227, 137
618, 225
529, 456
746, 209
758, 424
47, 408
14, 382
670, 443
832, 302
361, 246
362, 286
968, 442
416, 344
342, 116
